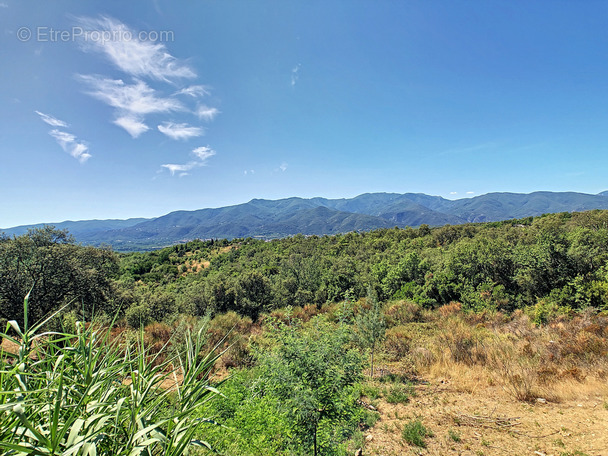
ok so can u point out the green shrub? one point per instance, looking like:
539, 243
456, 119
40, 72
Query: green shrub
138, 316
414, 433
399, 394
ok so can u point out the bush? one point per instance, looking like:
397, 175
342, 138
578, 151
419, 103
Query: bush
399, 393
463, 342
402, 312
414, 433
137, 316
398, 342
517, 369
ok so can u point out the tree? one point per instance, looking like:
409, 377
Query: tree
370, 326
312, 373
47, 262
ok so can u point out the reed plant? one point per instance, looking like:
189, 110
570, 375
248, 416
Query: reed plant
82, 393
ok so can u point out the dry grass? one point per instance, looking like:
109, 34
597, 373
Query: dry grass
506, 351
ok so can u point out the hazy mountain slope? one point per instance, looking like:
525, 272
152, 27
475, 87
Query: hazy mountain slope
78, 228
289, 216
504, 206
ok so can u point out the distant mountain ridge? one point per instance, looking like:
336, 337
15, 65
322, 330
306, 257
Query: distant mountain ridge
320, 216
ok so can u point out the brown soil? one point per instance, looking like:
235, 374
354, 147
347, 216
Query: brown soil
484, 420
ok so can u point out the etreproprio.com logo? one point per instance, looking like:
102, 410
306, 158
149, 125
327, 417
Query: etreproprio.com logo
51, 35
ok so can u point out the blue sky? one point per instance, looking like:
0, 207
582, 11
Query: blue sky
121, 109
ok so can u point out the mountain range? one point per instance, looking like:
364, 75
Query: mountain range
279, 218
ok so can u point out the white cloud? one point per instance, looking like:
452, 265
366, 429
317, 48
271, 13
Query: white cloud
201, 153
124, 48
283, 167
453, 193
179, 130
133, 125
206, 113
3, 5
194, 91
470, 193
251, 171
173, 168
52, 121
295, 74
136, 98
68, 143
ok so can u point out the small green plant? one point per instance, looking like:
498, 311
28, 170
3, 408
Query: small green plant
559, 443
399, 394
393, 378
454, 436
370, 391
369, 419
415, 433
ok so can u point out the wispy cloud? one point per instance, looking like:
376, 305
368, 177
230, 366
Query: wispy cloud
3, 5
174, 168
132, 101
52, 121
132, 124
121, 46
470, 193
453, 193
283, 167
69, 144
138, 98
295, 74
194, 91
466, 150
179, 130
202, 154
206, 113
251, 171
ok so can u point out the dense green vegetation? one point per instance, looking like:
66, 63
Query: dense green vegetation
556, 260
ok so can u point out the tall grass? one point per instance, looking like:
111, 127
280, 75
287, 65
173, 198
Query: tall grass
83, 394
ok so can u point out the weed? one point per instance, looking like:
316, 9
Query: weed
559, 443
454, 435
414, 433
370, 391
394, 378
399, 394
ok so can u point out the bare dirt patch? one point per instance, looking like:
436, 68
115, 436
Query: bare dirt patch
487, 421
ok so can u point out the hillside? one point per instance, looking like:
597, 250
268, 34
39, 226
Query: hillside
321, 216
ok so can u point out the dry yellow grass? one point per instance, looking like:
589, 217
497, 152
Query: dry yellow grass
469, 416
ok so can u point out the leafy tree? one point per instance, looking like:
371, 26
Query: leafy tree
370, 327
313, 373
47, 262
